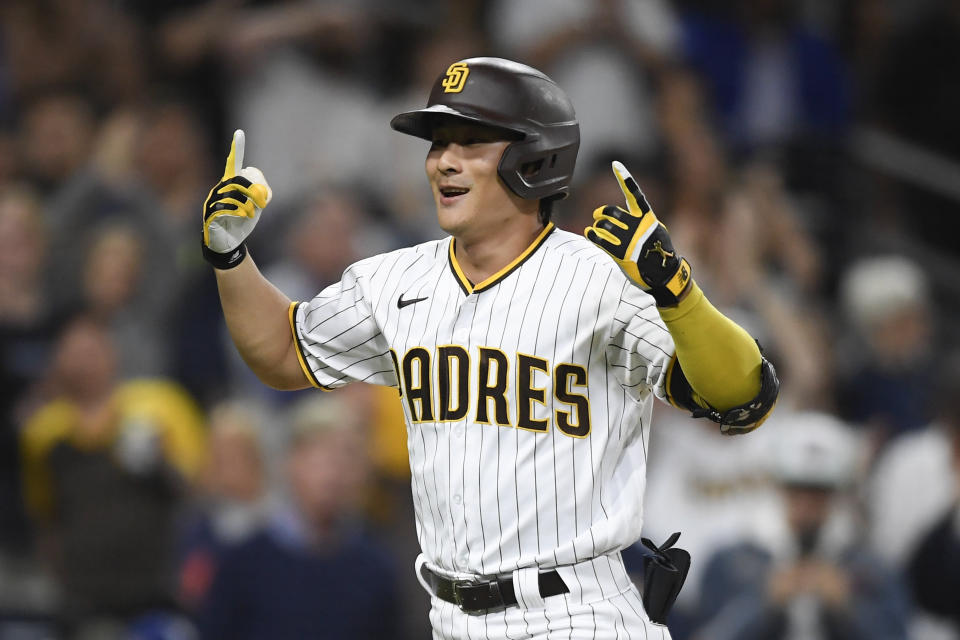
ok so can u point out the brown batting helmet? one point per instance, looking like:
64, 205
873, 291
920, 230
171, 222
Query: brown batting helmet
518, 99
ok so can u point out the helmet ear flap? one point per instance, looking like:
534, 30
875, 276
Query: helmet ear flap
532, 171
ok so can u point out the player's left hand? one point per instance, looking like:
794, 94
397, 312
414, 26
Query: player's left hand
233, 206
640, 244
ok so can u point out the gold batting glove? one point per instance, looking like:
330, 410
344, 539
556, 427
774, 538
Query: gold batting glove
232, 208
640, 244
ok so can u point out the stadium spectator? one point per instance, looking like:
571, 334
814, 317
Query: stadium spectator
888, 381
169, 163
807, 576
105, 466
231, 497
90, 207
915, 479
913, 495
56, 139
118, 293
313, 572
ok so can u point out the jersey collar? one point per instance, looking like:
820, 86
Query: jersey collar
468, 287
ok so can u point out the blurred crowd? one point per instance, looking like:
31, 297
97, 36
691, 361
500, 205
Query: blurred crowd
804, 154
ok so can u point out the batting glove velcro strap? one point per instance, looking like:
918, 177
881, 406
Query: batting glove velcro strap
750, 415
639, 244
224, 261
233, 206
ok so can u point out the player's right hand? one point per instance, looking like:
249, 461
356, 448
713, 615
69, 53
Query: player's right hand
640, 244
233, 207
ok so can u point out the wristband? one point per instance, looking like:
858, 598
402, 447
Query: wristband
224, 261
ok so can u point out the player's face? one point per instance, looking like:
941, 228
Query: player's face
462, 170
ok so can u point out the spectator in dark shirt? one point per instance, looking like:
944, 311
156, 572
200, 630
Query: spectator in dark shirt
313, 572
105, 463
807, 575
888, 374
230, 498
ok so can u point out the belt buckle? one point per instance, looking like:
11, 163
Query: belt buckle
457, 598
493, 587
458, 595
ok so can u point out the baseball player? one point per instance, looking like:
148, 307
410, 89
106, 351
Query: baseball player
527, 358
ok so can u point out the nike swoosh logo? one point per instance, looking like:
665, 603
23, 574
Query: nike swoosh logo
401, 303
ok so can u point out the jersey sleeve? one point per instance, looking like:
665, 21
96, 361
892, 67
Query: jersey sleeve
338, 339
641, 352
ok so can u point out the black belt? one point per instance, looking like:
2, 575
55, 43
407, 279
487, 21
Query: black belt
472, 596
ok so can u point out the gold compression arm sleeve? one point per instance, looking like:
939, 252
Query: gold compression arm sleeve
719, 358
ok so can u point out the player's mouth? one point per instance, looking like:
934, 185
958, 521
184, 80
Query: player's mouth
451, 195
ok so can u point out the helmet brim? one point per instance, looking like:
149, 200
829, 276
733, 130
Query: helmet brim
422, 122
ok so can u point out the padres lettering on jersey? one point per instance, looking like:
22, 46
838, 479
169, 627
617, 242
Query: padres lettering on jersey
528, 397
438, 387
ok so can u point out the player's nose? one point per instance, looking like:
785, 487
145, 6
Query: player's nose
450, 159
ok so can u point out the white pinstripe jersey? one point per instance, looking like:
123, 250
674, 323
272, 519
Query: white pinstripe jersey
527, 397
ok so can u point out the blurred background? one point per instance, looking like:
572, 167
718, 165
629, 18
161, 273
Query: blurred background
804, 153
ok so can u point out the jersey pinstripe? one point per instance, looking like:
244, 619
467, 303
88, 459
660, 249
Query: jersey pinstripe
527, 397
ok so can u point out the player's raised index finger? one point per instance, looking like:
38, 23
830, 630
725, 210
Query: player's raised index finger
235, 157
631, 190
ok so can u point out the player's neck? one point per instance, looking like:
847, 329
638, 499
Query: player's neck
483, 256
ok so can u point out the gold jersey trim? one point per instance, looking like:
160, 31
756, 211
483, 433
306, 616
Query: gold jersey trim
292, 315
468, 287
